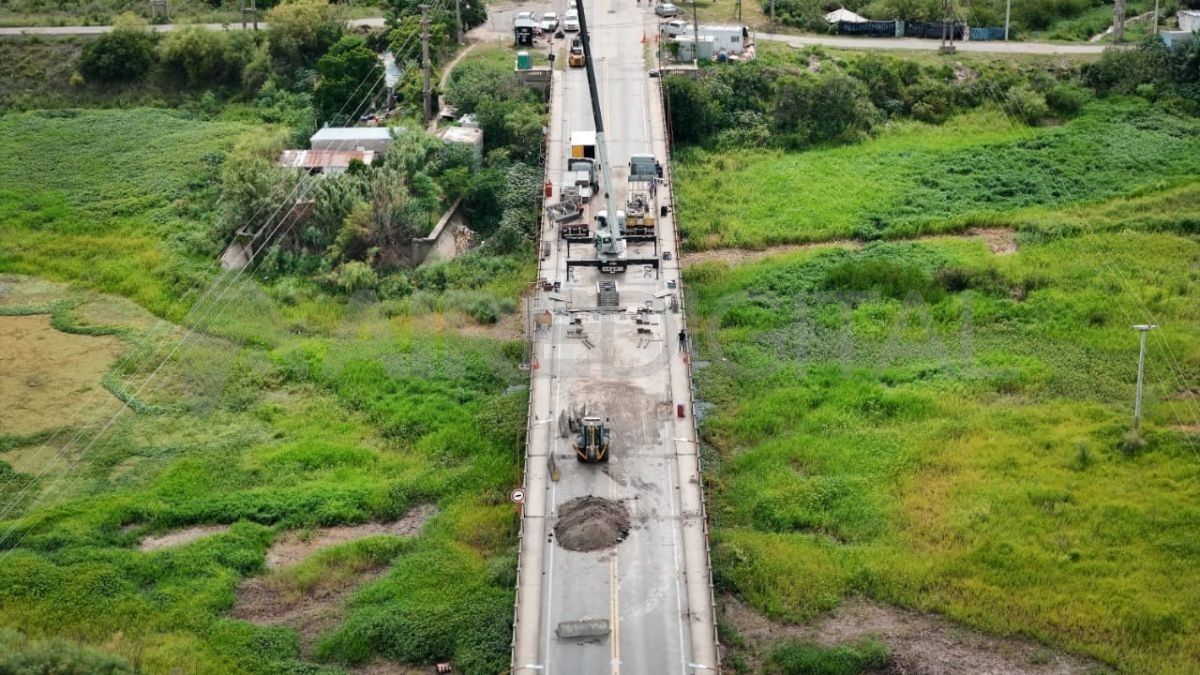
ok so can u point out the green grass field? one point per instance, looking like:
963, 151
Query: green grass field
288, 410
935, 426
917, 179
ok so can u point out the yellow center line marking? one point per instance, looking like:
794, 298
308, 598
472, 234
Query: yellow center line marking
615, 597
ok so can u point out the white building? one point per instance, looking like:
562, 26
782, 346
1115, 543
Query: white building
729, 39
377, 139
1189, 20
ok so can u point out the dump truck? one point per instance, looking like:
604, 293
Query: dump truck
576, 59
581, 174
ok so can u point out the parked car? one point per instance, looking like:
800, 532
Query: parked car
549, 22
530, 16
674, 28
571, 21
666, 9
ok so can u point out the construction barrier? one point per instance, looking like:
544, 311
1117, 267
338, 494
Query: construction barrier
932, 31
984, 34
869, 28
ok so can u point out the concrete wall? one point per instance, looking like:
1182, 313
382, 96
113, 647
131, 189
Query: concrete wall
449, 239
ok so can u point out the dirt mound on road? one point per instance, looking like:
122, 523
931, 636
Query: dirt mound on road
591, 524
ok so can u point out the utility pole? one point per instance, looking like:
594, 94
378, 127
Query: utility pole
251, 10
1156, 17
695, 36
947, 27
772, 11
458, 21
739, 9
1142, 329
1119, 21
426, 91
1007, 14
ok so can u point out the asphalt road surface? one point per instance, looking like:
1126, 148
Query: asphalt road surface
654, 588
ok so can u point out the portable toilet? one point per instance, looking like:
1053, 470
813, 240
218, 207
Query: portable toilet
524, 61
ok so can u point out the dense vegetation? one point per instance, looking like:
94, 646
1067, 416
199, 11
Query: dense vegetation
1052, 19
984, 143
330, 385
927, 423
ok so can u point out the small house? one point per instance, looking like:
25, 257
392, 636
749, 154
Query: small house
375, 139
729, 39
318, 162
689, 51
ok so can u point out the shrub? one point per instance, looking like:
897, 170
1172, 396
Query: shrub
206, 57
344, 69
300, 32
1024, 102
126, 53
804, 659
354, 276
19, 655
1067, 99
817, 109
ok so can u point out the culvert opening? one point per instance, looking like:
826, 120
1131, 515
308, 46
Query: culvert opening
591, 524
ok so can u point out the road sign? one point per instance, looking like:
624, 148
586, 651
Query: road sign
517, 495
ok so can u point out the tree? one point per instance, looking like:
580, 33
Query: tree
301, 31
694, 114
348, 71
126, 53
206, 57
816, 109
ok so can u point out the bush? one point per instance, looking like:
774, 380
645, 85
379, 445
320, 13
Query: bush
804, 659
1022, 101
20, 656
354, 276
817, 109
344, 69
126, 53
300, 32
1067, 99
206, 57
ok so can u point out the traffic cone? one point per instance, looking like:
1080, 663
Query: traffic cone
643, 37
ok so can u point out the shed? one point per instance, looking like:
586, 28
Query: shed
1189, 20
323, 161
843, 14
376, 139
689, 52
472, 136
730, 39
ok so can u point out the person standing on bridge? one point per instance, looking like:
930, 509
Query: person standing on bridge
683, 339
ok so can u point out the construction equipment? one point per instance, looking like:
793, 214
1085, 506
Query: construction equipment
576, 59
640, 214
588, 628
568, 208
581, 173
583, 144
610, 236
591, 445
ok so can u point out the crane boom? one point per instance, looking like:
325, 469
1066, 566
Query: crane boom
609, 244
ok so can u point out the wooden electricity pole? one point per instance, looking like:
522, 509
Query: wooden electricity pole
1142, 329
252, 10
1119, 21
426, 91
458, 30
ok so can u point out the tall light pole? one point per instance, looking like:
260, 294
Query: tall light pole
1007, 15
1142, 329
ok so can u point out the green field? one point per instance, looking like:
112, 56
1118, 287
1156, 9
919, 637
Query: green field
288, 410
917, 179
932, 425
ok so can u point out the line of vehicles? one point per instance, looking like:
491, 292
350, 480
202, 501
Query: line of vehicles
549, 22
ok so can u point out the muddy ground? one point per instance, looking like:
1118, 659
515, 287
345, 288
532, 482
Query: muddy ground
921, 644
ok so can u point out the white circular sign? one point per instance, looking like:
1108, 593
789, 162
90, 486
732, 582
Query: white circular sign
518, 495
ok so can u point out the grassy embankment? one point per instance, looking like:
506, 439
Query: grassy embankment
104, 12
935, 426
981, 168
292, 410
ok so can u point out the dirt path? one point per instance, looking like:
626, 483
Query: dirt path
294, 547
921, 644
1000, 240
180, 537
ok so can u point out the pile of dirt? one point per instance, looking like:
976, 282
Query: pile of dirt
591, 523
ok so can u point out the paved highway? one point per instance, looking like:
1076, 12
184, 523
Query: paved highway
654, 588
